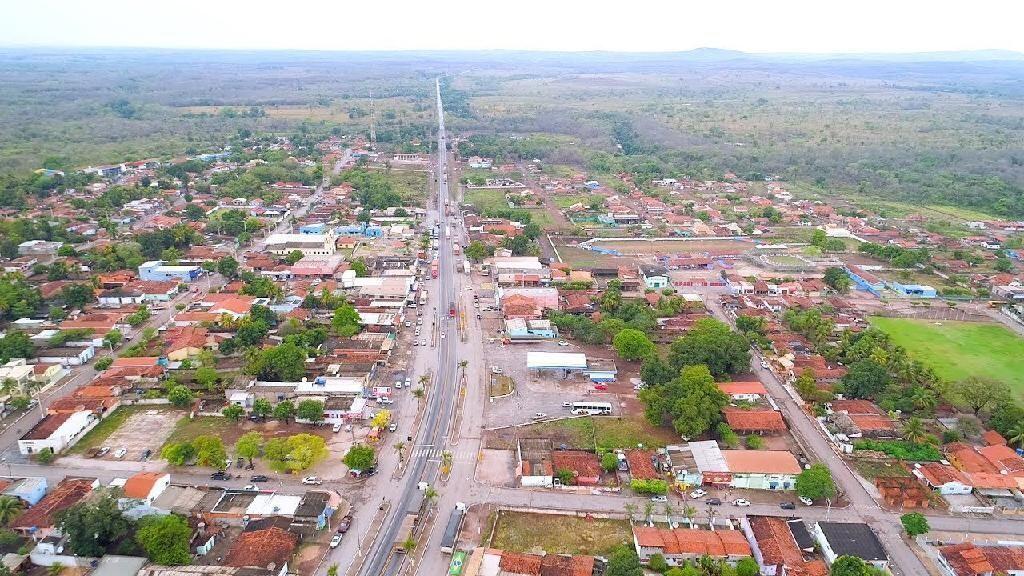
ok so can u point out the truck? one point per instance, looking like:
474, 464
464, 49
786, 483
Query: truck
451, 530
456, 248
433, 269
457, 564
451, 309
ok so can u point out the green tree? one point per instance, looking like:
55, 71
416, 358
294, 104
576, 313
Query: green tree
165, 539
294, 453
93, 525
477, 251
249, 445
180, 396
977, 394
914, 523
207, 377
284, 411
623, 561
45, 456
914, 431
359, 267
77, 295
293, 257
713, 344
747, 567
178, 453
113, 338
849, 566
311, 410
345, 321
657, 563
228, 267
10, 508
16, 344
286, 362
103, 363
692, 403
816, 483
631, 344
360, 457
865, 379
837, 279
565, 476
655, 371
609, 461
210, 451
261, 407
233, 412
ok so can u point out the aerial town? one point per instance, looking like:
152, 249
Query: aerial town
349, 357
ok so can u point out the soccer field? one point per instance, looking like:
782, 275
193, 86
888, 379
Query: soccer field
956, 350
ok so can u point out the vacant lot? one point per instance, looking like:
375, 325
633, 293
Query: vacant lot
646, 248
602, 432
556, 534
485, 200
142, 428
101, 432
956, 350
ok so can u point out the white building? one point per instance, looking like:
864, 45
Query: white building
57, 432
307, 244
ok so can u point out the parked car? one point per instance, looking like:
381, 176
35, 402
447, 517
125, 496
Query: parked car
600, 386
714, 501
393, 427
336, 540
540, 416
567, 405
310, 481
103, 451
698, 493
741, 502
495, 370
120, 453
336, 428
659, 498
146, 454
787, 506
385, 401
408, 383
260, 478
423, 342
806, 501
220, 475
250, 488
345, 524
563, 343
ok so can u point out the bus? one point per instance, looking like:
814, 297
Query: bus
423, 298
592, 408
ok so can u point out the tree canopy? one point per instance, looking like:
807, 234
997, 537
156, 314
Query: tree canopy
692, 403
165, 539
713, 344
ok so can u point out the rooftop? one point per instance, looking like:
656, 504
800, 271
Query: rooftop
853, 539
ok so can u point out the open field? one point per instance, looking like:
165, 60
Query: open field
601, 432
485, 200
645, 248
558, 534
187, 429
108, 426
143, 428
956, 350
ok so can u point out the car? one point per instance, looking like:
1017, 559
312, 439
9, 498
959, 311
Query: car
495, 370
345, 524
385, 401
146, 454
398, 384
659, 498
336, 540
393, 427
250, 488
408, 383
408, 324
419, 321
442, 335
423, 342
415, 342
787, 506
348, 427
714, 501
312, 481
539, 416
120, 453
698, 493
260, 478
220, 475
638, 386
478, 316
741, 502
563, 343
103, 451
806, 501
764, 364
567, 405
336, 428
600, 386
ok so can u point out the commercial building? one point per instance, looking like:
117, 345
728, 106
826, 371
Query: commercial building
57, 432
307, 244
160, 271
753, 469
849, 539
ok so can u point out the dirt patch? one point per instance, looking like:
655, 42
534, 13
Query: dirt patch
144, 429
558, 534
496, 467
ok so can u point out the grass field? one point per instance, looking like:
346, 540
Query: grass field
485, 199
187, 429
557, 534
956, 350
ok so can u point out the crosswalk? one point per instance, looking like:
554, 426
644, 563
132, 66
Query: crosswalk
431, 453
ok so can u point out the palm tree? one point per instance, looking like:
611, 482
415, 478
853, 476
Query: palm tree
10, 507
463, 365
400, 448
689, 512
430, 493
333, 570
668, 511
424, 379
1017, 434
446, 461
913, 431
630, 510
648, 510
409, 544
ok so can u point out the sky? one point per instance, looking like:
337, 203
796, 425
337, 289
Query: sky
814, 26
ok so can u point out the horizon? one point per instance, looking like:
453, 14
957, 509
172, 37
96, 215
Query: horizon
785, 27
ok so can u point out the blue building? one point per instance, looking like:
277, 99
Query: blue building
913, 290
521, 329
317, 228
158, 271
865, 280
31, 490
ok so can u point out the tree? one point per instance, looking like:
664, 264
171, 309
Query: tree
692, 403
45, 456
360, 457
94, 525
295, 453
180, 396
345, 321
10, 507
713, 344
332, 570
16, 344
286, 362
228, 267
284, 411
381, 419
207, 377
311, 410
139, 317
77, 295
609, 461
19, 402
103, 363
657, 563
632, 344
477, 251
816, 483
210, 451
624, 562
233, 412
747, 567
565, 476
113, 338
914, 523
914, 432
261, 407
249, 444
755, 442
865, 379
1016, 434
978, 393
1003, 264
178, 453
849, 566
165, 539
655, 371
837, 279
293, 257
359, 267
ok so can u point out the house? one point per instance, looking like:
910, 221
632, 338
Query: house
186, 342
313, 512
776, 548
493, 562
39, 248
29, 490
584, 466
865, 280
67, 355
307, 244
269, 548
563, 363
146, 486
968, 559
903, 492
850, 539
524, 330
57, 431
533, 462
641, 464
39, 519
743, 391
755, 421
17, 370
679, 545
159, 271
704, 462
944, 478
655, 277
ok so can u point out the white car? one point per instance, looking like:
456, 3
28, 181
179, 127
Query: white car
408, 324
698, 493
408, 383
659, 498
120, 453
442, 335
335, 541
336, 428
741, 502
563, 343
312, 481
539, 416
495, 370
415, 342
764, 364
807, 501
423, 342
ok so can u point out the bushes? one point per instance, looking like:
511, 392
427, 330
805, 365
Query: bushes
901, 449
653, 486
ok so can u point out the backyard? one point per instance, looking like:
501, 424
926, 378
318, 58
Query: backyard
956, 350
558, 534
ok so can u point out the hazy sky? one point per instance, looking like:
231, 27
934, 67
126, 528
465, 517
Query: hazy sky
631, 25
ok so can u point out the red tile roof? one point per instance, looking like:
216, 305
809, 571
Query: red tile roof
141, 484
640, 464
262, 548
732, 388
966, 559
582, 463
693, 542
66, 494
765, 420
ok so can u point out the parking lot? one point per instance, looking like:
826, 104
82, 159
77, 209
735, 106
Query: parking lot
144, 430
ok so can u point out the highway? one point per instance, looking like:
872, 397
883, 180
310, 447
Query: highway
441, 400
